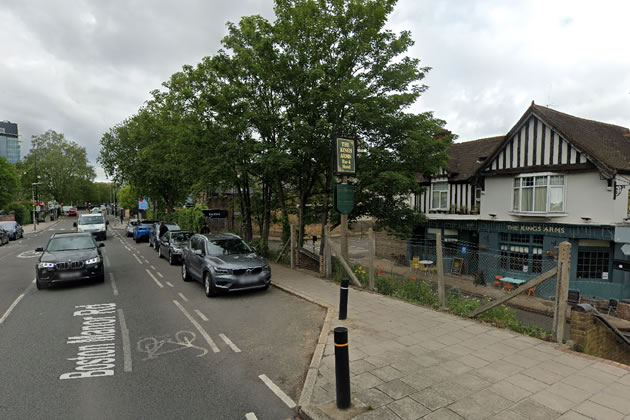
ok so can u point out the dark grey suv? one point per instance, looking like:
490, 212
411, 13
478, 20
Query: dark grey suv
224, 263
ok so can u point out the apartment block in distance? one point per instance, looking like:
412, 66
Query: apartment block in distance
9, 141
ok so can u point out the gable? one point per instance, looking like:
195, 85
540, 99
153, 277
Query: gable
534, 145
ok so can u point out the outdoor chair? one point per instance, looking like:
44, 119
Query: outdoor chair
497, 281
612, 305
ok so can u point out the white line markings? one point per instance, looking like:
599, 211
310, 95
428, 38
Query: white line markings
250, 416
13, 305
114, 288
125, 341
153, 268
154, 279
169, 283
198, 326
181, 295
202, 316
136, 257
107, 264
279, 393
229, 343
160, 274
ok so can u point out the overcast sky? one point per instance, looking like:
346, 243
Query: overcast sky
80, 67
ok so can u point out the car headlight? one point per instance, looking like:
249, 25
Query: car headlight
221, 270
46, 265
93, 260
176, 250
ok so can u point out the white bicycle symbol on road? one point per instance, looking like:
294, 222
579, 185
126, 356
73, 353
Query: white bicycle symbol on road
154, 346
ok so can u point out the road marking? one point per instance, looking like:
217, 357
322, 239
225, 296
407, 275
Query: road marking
279, 393
111, 277
250, 416
125, 340
62, 229
136, 257
107, 261
169, 283
202, 316
183, 297
198, 326
13, 305
153, 268
160, 274
229, 343
154, 279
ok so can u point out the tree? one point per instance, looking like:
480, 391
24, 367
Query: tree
9, 185
128, 199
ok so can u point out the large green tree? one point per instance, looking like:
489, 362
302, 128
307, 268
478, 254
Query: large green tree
9, 182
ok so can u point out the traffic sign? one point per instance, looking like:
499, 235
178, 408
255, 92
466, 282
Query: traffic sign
143, 204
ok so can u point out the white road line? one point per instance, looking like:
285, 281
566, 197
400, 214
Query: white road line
274, 388
229, 343
198, 326
13, 305
114, 288
153, 268
202, 316
250, 416
154, 279
136, 257
125, 341
160, 274
181, 295
169, 283
107, 261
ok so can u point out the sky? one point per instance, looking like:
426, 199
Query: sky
79, 67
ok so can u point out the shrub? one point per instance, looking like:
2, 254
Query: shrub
385, 284
22, 212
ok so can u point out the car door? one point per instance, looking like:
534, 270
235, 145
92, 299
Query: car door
164, 243
194, 262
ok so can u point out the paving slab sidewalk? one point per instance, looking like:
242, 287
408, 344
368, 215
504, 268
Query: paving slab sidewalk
412, 362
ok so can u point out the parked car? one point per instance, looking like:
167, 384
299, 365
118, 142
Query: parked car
142, 231
131, 224
171, 244
72, 211
94, 224
4, 237
224, 262
154, 237
67, 257
14, 229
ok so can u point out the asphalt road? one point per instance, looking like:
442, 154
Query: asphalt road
165, 350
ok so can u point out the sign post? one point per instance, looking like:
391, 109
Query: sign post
345, 164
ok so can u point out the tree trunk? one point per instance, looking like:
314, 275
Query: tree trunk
266, 216
247, 213
324, 220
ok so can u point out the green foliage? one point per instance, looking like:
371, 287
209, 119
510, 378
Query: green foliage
23, 212
189, 218
128, 198
9, 185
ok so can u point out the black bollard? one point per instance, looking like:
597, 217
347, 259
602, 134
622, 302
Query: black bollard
342, 367
343, 299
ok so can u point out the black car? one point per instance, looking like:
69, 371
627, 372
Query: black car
69, 257
14, 229
4, 237
224, 263
157, 230
171, 244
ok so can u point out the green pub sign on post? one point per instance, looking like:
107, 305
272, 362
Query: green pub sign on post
346, 151
344, 198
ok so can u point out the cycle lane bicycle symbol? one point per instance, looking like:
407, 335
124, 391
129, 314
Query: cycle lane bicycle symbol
158, 346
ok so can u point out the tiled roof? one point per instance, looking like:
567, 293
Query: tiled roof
608, 145
465, 158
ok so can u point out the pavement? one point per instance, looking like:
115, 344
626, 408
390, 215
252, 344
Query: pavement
413, 362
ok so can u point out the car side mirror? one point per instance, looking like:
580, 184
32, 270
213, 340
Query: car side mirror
74, 224
40, 249
101, 245
253, 249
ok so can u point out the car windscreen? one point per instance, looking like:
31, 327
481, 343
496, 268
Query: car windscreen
181, 237
91, 220
134, 223
8, 225
70, 243
228, 246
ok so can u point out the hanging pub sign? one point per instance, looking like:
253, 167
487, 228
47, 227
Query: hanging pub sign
344, 198
345, 156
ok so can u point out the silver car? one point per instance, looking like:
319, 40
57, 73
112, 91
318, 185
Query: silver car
224, 263
131, 224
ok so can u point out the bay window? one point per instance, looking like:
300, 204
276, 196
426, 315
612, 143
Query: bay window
538, 194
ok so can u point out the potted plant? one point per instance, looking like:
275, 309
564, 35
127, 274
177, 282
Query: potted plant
453, 209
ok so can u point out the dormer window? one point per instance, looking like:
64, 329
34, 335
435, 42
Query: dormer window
538, 194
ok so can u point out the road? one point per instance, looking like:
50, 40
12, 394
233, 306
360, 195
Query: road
165, 350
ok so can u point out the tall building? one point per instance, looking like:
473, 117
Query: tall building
9, 141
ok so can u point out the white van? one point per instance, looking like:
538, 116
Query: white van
93, 223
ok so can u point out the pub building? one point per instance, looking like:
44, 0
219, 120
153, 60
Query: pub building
503, 204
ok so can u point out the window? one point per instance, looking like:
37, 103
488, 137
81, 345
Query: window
538, 194
592, 264
478, 199
439, 196
521, 252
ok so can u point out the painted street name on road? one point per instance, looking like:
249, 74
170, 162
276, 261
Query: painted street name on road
94, 360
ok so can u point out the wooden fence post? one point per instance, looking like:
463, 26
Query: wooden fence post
371, 252
440, 272
292, 245
327, 253
562, 291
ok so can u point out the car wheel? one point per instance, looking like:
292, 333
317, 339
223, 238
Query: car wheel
170, 258
159, 252
208, 285
267, 285
40, 285
137, 241
185, 274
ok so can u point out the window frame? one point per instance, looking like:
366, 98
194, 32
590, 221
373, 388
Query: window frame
595, 250
517, 192
446, 191
512, 247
